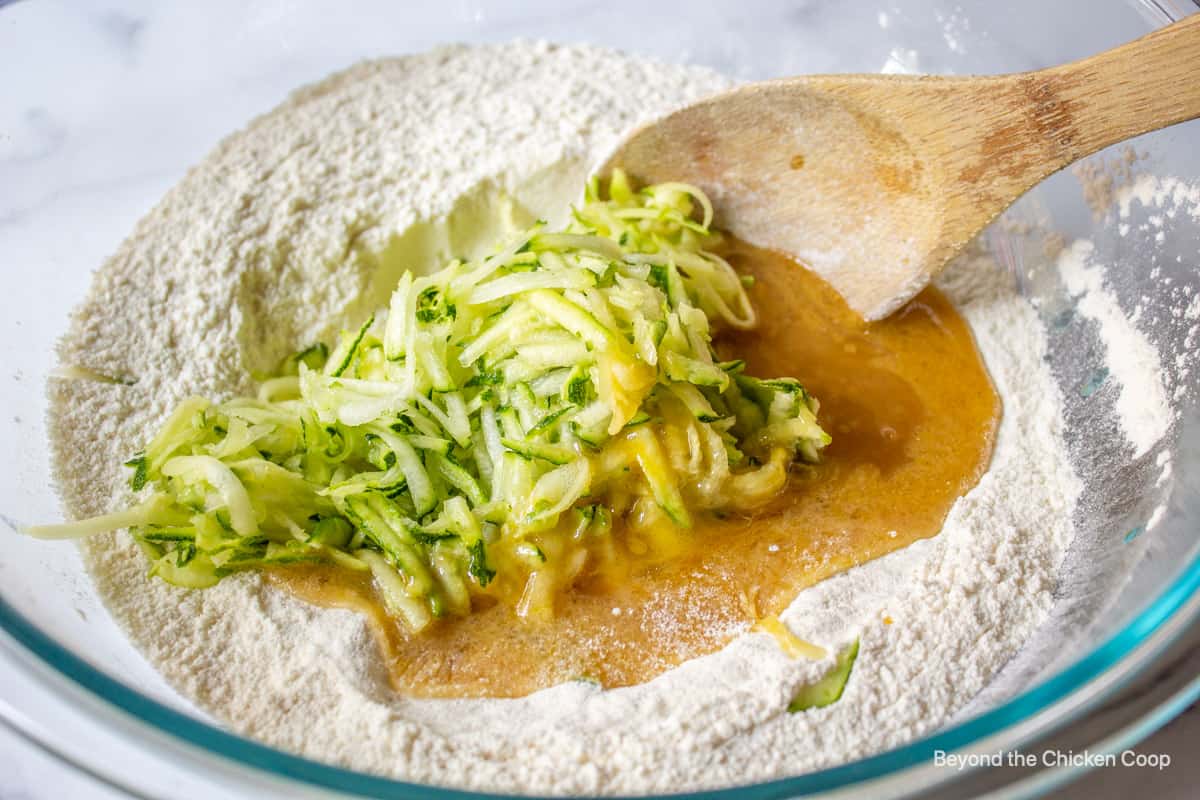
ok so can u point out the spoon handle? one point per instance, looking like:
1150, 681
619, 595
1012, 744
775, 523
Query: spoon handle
1142, 86
997, 137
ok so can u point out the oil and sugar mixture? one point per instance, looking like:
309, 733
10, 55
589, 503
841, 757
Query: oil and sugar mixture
913, 415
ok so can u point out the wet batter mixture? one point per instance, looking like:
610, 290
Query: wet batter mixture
912, 413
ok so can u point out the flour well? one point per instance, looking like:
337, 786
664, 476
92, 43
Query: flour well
300, 224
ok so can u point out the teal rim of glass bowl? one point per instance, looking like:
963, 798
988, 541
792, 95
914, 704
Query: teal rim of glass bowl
262, 757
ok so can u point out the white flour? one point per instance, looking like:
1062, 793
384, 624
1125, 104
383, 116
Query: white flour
302, 222
1143, 410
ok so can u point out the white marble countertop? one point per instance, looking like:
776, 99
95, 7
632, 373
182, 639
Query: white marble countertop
67, 66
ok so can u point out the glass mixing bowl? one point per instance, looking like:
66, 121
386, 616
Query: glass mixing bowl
107, 104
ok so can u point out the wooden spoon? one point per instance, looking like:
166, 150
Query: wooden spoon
876, 181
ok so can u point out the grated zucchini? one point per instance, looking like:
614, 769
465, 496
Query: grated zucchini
827, 690
474, 438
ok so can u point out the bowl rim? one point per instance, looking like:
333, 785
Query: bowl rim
1071, 687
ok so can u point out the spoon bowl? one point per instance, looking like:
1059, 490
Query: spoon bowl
876, 181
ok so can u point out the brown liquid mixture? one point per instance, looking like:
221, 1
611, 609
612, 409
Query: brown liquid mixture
912, 413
